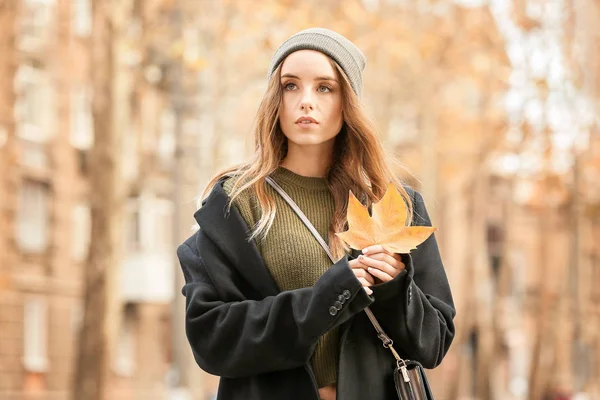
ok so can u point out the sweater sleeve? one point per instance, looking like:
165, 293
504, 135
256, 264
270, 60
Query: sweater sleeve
416, 308
248, 337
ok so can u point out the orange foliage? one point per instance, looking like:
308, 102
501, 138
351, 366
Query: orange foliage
387, 227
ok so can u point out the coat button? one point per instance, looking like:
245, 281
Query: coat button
341, 298
337, 305
333, 310
346, 294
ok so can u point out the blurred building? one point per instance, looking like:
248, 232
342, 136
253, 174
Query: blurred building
46, 215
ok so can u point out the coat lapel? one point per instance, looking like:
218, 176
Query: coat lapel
229, 233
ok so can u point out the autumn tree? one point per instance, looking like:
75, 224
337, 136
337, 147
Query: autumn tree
93, 361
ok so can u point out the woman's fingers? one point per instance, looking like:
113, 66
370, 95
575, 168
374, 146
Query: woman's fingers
356, 264
364, 282
374, 250
386, 258
363, 276
381, 266
361, 273
377, 273
368, 277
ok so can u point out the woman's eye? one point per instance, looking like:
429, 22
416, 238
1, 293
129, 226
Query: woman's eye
289, 86
324, 89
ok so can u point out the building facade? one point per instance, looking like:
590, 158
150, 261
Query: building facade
46, 214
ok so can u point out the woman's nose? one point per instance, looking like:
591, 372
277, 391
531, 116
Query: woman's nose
307, 102
306, 106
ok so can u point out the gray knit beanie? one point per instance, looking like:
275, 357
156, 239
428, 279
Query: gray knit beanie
341, 50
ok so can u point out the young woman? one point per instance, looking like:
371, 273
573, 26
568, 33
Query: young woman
266, 310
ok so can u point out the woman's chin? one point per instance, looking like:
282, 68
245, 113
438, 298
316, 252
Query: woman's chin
309, 142
308, 139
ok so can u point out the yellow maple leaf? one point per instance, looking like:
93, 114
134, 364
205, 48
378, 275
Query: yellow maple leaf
387, 227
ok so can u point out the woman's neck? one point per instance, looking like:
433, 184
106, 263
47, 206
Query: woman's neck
308, 161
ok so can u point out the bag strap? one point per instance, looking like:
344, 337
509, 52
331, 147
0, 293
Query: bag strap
385, 339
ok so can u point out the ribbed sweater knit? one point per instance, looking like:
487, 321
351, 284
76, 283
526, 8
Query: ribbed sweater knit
293, 256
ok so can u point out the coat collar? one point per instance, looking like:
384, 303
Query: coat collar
229, 232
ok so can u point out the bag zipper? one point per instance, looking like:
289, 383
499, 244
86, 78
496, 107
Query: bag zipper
404, 373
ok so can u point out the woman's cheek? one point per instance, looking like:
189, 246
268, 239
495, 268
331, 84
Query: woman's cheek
286, 110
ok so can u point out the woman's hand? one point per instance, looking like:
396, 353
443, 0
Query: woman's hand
380, 263
363, 276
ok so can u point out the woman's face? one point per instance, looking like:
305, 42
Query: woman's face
311, 110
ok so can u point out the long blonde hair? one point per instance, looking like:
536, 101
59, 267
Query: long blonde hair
360, 163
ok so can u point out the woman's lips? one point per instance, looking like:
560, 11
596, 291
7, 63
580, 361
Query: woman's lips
306, 125
306, 122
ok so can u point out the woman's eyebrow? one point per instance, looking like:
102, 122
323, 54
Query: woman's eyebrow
326, 78
318, 78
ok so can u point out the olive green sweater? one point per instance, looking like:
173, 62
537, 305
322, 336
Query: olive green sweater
293, 256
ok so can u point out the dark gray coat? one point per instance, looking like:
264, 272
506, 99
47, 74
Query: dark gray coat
259, 340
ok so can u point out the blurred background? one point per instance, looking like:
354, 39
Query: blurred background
115, 113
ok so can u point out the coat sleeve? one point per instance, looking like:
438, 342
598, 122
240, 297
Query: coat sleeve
248, 337
416, 308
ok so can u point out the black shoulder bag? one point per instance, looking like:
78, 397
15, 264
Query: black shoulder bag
409, 376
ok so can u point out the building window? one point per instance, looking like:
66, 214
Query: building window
147, 267
125, 354
33, 217
35, 23
34, 109
149, 224
33, 155
82, 129
162, 230
82, 17
82, 230
35, 347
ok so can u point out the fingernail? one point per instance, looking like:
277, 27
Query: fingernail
369, 291
365, 251
360, 257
